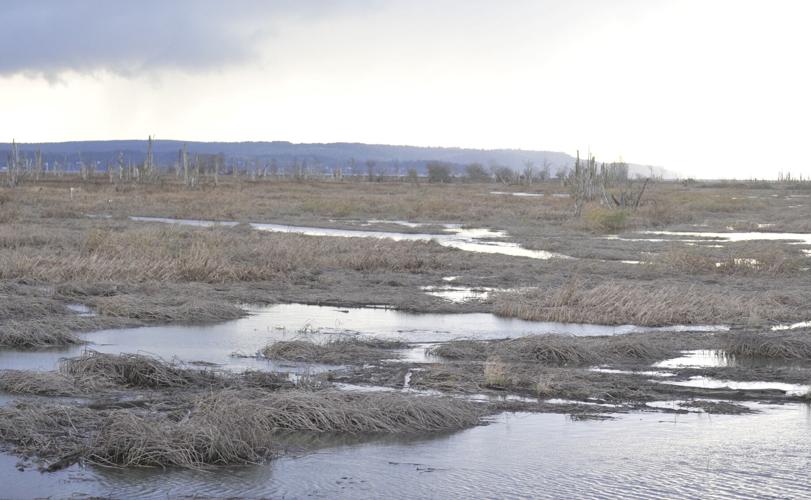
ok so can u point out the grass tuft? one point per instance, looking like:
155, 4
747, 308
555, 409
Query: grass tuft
769, 345
222, 428
341, 351
135, 370
35, 334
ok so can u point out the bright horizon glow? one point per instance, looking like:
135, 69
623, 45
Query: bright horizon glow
707, 89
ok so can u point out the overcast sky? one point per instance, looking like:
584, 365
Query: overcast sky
709, 88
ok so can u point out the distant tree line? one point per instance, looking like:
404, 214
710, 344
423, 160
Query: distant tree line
206, 169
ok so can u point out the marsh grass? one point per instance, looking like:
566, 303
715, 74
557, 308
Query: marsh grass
605, 220
496, 374
718, 407
554, 350
769, 345
163, 308
41, 383
97, 374
560, 350
339, 351
38, 333
770, 259
464, 349
16, 306
220, 428
618, 303
136, 370
136, 253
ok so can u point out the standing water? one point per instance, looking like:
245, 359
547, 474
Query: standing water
454, 236
216, 343
636, 455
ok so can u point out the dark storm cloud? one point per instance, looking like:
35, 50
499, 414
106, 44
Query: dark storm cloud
48, 37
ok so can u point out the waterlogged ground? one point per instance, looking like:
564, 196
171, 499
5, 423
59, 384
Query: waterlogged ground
637, 430
246, 336
452, 235
637, 455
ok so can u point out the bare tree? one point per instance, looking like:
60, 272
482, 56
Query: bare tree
412, 176
475, 172
37, 164
149, 163
503, 174
583, 182
544, 172
216, 170
188, 181
370, 170
529, 172
610, 184
438, 172
13, 166
120, 166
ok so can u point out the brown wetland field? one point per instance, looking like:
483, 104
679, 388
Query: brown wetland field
156, 339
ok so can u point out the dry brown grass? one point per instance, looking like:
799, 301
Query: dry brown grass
15, 306
461, 350
768, 260
218, 430
282, 200
38, 383
37, 333
616, 303
769, 345
496, 373
146, 252
136, 370
625, 348
340, 351
554, 350
222, 428
605, 220
559, 350
95, 374
167, 309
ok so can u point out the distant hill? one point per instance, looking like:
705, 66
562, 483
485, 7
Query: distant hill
351, 157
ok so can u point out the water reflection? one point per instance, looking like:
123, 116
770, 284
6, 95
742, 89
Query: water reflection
454, 236
637, 455
216, 343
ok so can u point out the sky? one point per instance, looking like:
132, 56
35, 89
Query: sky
706, 88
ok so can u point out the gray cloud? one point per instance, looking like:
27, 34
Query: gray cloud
48, 37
